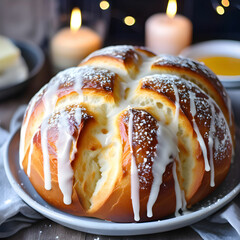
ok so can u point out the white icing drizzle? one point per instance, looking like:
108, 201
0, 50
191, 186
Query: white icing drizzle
211, 143
49, 101
24, 129
192, 97
184, 202
78, 116
78, 86
46, 164
63, 145
177, 106
166, 150
180, 196
134, 173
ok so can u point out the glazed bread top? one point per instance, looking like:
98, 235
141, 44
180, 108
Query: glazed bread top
127, 124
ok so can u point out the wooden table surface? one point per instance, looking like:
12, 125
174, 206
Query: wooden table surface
46, 229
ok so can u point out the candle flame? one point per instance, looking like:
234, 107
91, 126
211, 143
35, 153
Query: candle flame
76, 19
220, 10
172, 8
104, 5
129, 20
225, 3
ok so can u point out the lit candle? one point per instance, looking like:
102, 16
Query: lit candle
70, 45
168, 33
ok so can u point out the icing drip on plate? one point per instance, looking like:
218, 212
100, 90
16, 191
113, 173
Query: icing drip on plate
180, 195
134, 172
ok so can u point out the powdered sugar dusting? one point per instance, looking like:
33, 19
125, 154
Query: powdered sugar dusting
76, 114
119, 52
144, 141
75, 79
187, 63
194, 66
194, 102
153, 144
86, 77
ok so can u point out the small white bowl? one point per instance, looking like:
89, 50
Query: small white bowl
227, 48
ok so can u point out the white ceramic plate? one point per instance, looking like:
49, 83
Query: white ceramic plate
21, 184
227, 48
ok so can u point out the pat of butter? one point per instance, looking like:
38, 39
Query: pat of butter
9, 53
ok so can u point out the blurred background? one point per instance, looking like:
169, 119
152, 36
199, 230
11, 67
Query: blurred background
38, 38
66, 31
38, 20
207, 22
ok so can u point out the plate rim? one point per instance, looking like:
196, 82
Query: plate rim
111, 228
186, 52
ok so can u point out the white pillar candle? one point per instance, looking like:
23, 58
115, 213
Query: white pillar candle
69, 46
165, 34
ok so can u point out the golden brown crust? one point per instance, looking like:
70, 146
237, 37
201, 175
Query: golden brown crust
201, 75
118, 206
205, 110
122, 59
145, 51
110, 111
54, 196
190, 66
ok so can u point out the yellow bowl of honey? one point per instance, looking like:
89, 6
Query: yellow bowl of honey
221, 56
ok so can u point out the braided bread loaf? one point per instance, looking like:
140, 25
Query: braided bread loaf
128, 136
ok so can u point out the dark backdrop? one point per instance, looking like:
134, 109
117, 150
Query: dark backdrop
207, 24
